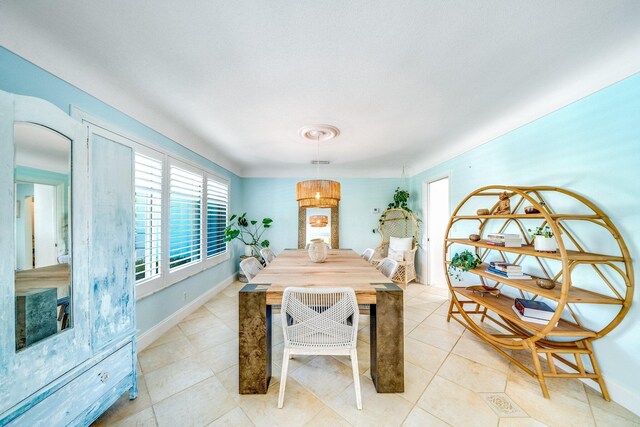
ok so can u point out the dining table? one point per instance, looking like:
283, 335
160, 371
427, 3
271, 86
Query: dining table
342, 268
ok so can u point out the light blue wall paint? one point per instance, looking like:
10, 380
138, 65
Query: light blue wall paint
591, 147
21, 77
276, 198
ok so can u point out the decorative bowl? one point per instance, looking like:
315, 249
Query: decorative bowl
546, 283
474, 237
483, 212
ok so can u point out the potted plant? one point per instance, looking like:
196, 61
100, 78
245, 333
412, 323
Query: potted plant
400, 200
248, 232
543, 240
463, 262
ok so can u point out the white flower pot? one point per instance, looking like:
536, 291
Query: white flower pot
545, 244
248, 250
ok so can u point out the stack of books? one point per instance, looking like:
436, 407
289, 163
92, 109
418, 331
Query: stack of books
504, 239
533, 311
505, 269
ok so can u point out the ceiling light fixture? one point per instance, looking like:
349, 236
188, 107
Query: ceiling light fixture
318, 193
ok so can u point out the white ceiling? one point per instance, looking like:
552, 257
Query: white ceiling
407, 82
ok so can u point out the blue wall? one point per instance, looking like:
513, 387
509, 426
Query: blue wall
276, 198
591, 147
21, 77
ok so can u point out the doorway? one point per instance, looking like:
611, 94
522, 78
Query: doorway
436, 205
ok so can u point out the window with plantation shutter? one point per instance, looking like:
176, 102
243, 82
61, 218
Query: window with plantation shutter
148, 217
185, 201
217, 205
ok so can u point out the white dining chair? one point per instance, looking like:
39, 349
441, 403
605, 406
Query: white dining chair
368, 254
320, 321
250, 267
388, 267
267, 255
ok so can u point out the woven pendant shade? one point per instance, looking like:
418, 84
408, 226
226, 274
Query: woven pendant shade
318, 220
318, 193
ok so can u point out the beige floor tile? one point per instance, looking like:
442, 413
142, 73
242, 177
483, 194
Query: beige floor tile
364, 321
482, 353
456, 405
171, 335
220, 357
364, 357
423, 355
364, 334
212, 337
144, 418
443, 310
162, 355
125, 408
472, 375
520, 422
200, 312
176, 377
201, 323
437, 321
420, 418
559, 410
300, 406
610, 413
378, 409
420, 311
414, 289
234, 418
409, 326
436, 337
327, 418
324, 376
416, 381
198, 405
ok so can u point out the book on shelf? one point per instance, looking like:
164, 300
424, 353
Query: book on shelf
509, 243
531, 308
530, 319
503, 236
506, 267
506, 275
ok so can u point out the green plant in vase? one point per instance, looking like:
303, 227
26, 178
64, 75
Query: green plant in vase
463, 262
247, 231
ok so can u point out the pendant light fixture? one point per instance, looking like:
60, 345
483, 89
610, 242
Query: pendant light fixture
318, 193
318, 220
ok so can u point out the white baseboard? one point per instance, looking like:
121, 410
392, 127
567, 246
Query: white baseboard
149, 336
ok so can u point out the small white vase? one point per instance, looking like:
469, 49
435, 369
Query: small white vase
248, 250
544, 244
317, 250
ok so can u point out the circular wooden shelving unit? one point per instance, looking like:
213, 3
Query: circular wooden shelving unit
599, 282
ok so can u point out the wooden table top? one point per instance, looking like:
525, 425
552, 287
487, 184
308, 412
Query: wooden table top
343, 268
54, 276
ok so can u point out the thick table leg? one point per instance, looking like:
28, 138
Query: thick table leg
254, 337
387, 339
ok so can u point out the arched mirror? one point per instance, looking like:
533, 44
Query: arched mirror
42, 226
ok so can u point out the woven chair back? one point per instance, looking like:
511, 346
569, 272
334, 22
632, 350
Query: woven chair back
320, 318
250, 267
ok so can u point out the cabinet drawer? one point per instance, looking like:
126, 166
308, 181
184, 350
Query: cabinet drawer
69, 402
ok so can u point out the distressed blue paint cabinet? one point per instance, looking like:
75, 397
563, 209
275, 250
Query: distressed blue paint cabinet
67, 236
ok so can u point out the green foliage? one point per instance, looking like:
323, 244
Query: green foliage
541, 231
247, 231
462, 262
400, 200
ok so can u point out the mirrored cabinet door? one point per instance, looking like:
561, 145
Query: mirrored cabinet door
42, 227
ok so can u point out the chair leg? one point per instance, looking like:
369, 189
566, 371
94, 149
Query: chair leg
356, 377
283, 377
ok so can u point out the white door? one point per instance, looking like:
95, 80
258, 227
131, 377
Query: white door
437, 208
45, 233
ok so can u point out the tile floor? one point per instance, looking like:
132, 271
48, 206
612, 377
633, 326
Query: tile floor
189, 377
